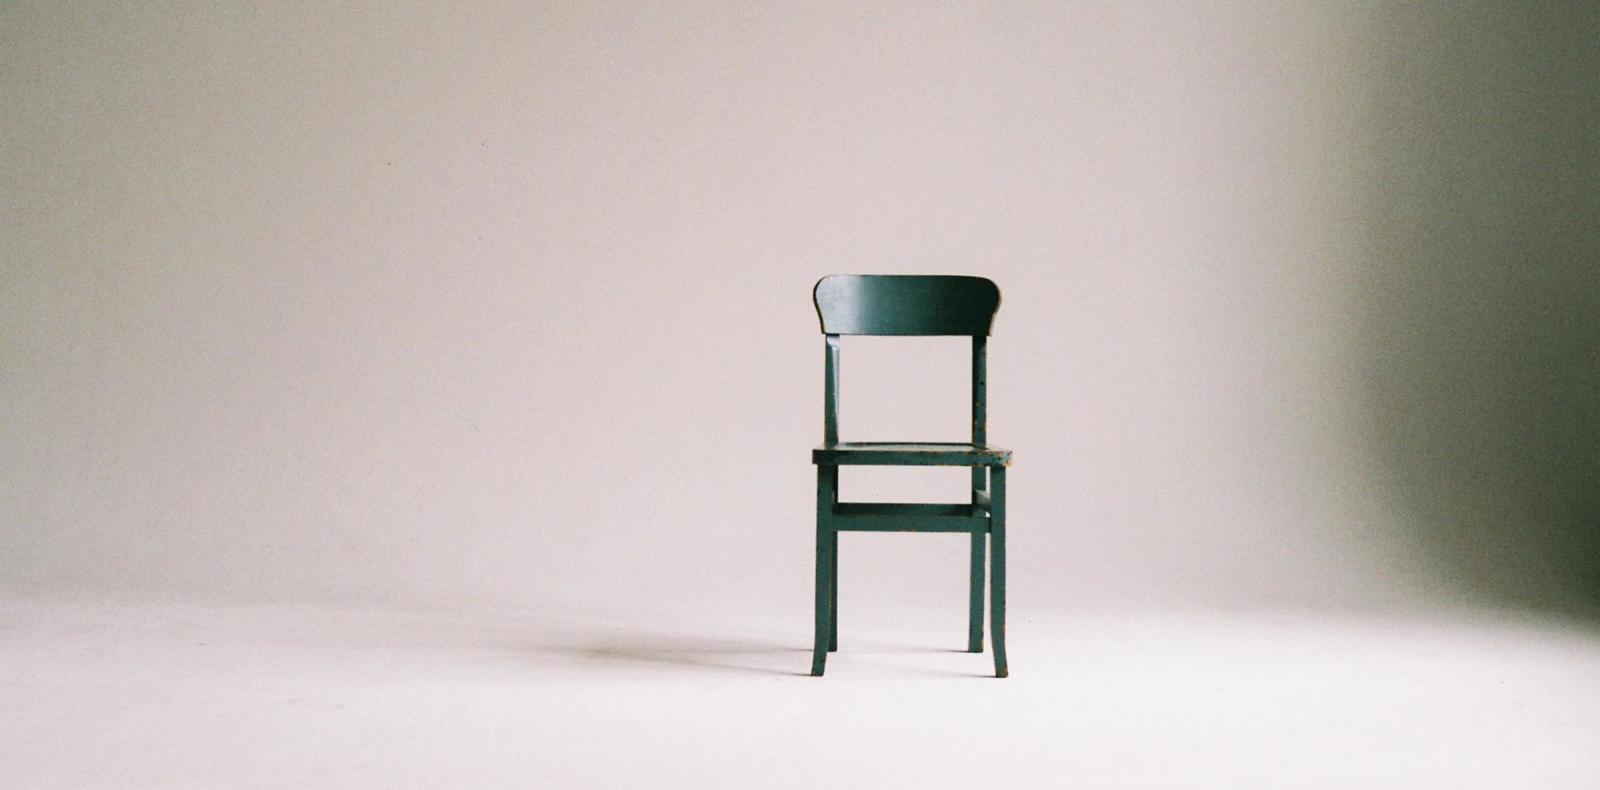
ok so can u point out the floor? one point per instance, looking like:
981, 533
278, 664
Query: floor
103, 695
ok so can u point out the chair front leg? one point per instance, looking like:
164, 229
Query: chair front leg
997, 551
827, 544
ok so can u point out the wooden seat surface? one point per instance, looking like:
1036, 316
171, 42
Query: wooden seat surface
911, 454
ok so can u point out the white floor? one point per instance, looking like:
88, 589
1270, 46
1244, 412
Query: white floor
96, 695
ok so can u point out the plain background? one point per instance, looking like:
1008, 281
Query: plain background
415, 395
510, 303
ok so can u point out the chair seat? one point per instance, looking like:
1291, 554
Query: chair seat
910, 454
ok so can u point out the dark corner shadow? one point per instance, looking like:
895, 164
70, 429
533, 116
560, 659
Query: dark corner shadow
1478, 353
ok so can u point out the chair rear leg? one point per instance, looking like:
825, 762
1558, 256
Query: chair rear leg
833, 595
975, 594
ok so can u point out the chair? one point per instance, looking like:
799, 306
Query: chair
910, 306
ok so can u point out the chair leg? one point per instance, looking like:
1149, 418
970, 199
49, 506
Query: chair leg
833, 594
824, 630
997, 593
975, 594
827, 541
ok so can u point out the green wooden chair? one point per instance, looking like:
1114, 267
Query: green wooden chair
852, 304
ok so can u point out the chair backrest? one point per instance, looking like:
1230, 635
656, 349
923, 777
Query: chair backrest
896, 304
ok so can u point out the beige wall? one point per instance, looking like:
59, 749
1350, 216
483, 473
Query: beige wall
512, 303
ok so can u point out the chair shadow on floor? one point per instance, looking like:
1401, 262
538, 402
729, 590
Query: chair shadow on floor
560, 638
665, 652
645, 650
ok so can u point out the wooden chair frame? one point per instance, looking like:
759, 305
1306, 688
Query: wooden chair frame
908, 305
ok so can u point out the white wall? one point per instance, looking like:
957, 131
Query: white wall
298, 301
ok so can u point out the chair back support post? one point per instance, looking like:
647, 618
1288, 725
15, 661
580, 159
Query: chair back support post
980, 407
830, 392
